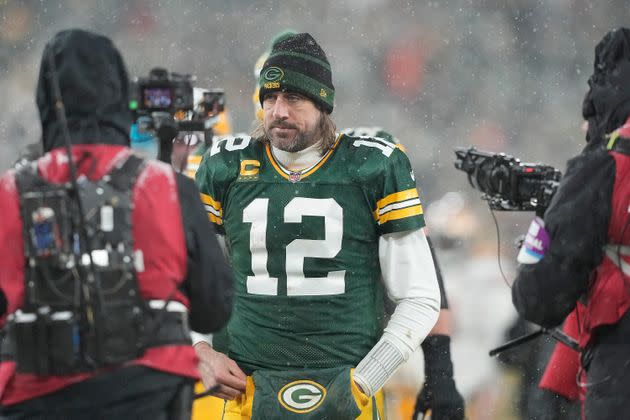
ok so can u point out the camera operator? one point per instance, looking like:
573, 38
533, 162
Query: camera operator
107, 257
174, 121
198, 142
582, 244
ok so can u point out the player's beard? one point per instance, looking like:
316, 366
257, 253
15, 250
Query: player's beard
326, 132
293, 142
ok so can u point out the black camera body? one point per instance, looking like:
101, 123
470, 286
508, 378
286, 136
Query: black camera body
163, 92
507, 183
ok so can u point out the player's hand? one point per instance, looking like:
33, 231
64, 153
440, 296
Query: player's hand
217, 369
442, 399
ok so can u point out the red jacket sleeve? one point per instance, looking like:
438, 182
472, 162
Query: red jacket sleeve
12, 254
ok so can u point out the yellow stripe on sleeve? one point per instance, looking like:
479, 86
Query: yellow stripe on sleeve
400, 214
398, 196
394, 198
194, 159
213, 204
206, 199
214, 219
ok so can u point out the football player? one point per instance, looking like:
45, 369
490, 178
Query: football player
439, 393
318, 226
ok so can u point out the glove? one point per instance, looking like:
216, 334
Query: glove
439, 393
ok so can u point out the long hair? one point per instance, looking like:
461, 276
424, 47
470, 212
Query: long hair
326, 130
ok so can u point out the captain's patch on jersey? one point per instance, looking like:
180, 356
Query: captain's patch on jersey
249, 170
302, 396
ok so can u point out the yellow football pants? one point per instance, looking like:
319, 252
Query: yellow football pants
206, 408
213, 408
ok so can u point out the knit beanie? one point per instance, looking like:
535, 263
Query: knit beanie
264, 56
258, 111
298, 64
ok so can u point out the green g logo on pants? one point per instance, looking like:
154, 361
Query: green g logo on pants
302, 396
305, 394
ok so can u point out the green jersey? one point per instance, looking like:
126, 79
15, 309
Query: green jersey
304, 246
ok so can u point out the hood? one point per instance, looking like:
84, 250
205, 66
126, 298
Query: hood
94, 89
606, 106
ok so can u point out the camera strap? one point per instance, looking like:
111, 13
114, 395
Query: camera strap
126, 172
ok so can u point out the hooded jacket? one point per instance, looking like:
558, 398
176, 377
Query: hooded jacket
606, 105
94, 90
182, 260
588, 212
578, 217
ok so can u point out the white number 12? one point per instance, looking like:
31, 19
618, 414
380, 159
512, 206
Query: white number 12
297, 283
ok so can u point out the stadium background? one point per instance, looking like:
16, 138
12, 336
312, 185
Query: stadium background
504, 75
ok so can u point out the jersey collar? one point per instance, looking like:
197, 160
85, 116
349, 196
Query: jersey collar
295, 176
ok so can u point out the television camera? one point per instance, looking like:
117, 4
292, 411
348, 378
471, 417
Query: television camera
169, 100
507, 183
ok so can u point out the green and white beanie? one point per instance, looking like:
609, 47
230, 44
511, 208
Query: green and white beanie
298, 64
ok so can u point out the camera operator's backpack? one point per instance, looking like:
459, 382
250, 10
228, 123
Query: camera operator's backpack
82, 313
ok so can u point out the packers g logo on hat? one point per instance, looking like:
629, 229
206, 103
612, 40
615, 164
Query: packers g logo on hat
273, 74
302, 396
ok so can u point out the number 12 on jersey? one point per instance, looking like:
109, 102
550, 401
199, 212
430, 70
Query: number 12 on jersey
261, 283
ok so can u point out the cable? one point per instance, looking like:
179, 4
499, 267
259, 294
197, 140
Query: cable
208, 392
84, 244
496, 225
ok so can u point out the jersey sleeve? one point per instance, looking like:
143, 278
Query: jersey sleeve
213, 179
398, 206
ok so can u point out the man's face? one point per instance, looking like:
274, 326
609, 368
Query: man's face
290, 121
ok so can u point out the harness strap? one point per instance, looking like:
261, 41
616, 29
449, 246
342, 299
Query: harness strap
123, 175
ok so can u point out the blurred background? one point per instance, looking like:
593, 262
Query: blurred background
504, 75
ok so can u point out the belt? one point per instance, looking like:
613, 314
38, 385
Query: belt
165, 324
168, 327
